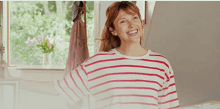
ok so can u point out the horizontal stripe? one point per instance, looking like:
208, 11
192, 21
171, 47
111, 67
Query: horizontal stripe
71, 76
153, 51
138, 66
174, 107
171, 76
128, 95
167, 77
81, 80
156, 61
122, 82
126, 88
158, 55
65, 91
168, 94
167, 87
168, 101
126, 73
70, 88
104, 60
136, 80
83, 70
99, 54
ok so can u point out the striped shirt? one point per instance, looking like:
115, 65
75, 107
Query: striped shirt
117, 81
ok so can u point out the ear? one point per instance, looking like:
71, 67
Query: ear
113, 31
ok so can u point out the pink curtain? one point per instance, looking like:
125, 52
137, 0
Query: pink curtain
78, 49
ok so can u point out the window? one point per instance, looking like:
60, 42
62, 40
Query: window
39, 18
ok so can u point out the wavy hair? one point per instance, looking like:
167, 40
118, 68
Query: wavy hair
108, 40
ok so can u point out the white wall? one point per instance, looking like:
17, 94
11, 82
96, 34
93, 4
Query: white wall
187, 33
150, 10
104, 6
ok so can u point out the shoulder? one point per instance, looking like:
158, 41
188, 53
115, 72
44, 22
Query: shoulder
159, 57
164, 60
156, 54
99, 56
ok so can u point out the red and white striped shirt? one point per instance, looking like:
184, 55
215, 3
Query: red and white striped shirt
118, 81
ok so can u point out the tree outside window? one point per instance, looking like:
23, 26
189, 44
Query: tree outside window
39, 18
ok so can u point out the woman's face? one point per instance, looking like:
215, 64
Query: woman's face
128, 27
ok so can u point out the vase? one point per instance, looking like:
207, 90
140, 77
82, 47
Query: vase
46, 60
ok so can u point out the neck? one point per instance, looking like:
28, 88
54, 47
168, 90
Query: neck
130, 49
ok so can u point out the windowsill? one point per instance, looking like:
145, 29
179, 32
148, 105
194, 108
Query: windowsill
36, 72
38, 68
20, 68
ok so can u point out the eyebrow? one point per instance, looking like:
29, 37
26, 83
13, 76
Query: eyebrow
132, 15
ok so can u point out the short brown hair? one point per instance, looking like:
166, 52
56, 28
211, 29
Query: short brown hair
108, 41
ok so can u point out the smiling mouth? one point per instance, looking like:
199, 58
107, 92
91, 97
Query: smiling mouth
133, 32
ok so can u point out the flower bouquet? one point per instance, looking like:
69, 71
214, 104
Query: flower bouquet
47, 45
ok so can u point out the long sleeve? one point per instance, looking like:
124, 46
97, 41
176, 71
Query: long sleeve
74, 86
168, 98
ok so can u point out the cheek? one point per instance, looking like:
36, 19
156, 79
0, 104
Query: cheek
122, 28
125, 27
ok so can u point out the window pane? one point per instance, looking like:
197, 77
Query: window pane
141, 6
29, 19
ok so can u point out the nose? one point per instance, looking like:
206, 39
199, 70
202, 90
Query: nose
130, 24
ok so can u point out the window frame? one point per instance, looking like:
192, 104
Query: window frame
6, 37
145, 17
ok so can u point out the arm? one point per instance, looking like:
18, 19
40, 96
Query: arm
42, 87
167, 98
49, 87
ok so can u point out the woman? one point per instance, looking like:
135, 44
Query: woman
123, 75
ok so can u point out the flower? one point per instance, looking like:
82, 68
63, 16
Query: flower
49, 44
28, 41
34, 40
46, 43
37, 39
44, 37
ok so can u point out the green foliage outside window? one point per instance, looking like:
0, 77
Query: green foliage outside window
39, 18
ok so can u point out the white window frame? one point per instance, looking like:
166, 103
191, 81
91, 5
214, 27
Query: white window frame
6, 32
96, 25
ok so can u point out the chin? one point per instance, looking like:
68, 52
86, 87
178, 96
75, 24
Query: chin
135, 40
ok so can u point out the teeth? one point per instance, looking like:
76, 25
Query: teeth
134, 31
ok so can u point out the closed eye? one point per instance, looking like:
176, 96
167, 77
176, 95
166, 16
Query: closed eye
135, 17
122, 21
